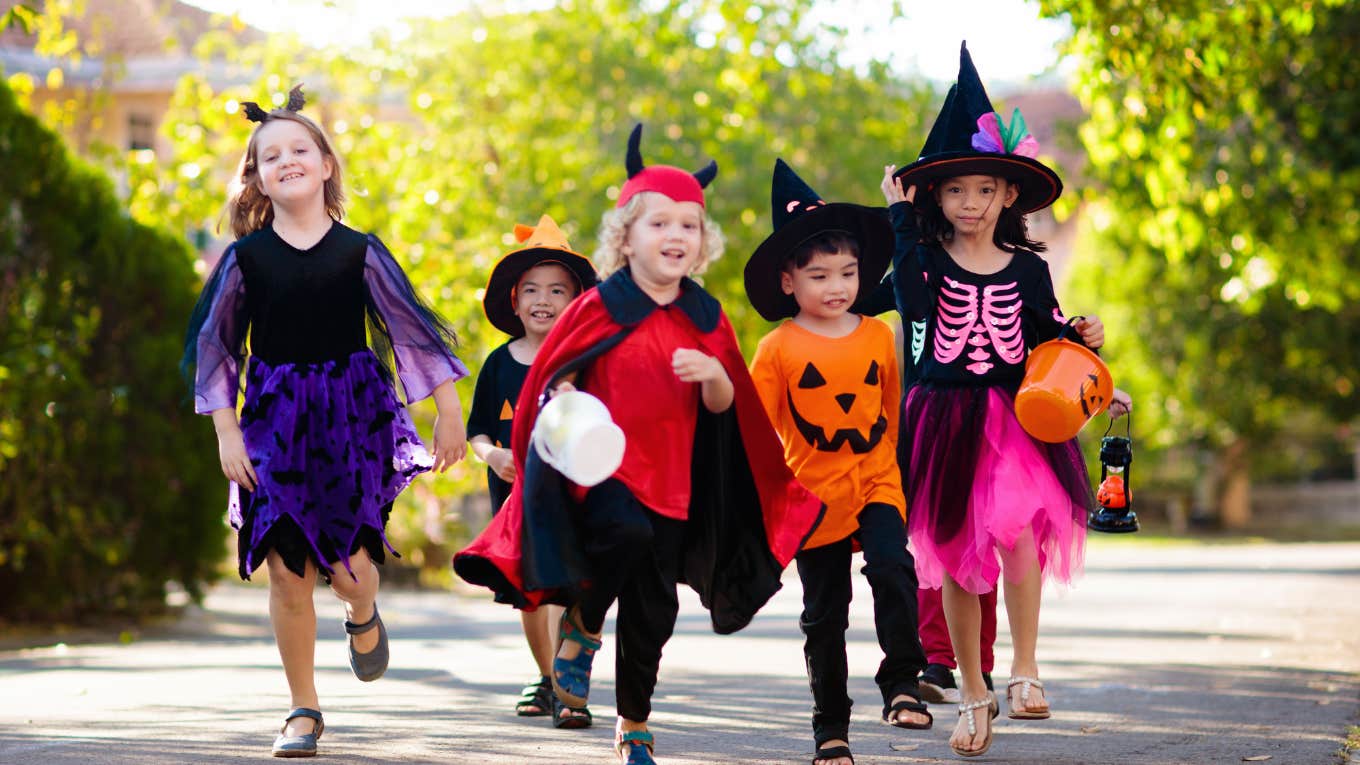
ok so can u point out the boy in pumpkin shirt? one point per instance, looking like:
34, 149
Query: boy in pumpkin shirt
828, 380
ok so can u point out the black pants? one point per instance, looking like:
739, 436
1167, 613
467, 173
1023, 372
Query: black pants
634, 557
825, 573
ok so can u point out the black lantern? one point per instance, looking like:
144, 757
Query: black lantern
1115, 497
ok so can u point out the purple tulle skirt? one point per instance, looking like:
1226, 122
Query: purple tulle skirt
979, 485
332, 447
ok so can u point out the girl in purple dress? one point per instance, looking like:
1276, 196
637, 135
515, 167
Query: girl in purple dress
323, 445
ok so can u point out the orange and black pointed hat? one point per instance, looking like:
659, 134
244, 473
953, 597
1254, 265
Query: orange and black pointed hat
543, 243
798, 214
970, 138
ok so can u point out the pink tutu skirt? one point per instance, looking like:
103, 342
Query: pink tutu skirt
978, 485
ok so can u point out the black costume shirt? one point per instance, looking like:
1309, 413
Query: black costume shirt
493, 410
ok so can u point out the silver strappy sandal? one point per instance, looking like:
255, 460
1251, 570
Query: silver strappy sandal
967, 710
1022, 712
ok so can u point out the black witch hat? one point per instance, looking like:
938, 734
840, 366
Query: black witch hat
799, 214
970, 138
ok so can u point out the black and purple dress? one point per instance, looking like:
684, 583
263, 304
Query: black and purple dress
331, 443
978, 483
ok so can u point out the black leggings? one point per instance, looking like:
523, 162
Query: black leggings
634, 556
825, 573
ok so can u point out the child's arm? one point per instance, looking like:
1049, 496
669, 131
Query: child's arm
909, 285
498, 458
450, 435
231, 448
421, 340
715, 387
769, 386
891, 383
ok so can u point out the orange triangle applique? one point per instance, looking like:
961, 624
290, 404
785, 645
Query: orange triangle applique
507, 411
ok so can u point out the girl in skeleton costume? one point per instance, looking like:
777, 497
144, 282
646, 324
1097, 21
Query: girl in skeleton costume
985, 497
323, 444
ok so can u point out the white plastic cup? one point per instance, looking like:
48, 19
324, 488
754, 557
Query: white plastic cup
576, 436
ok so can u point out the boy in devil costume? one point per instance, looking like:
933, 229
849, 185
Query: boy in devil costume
724, 516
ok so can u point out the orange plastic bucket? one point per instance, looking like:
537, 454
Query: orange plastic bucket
1065, 385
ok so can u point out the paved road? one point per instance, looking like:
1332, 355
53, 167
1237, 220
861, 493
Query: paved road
1163, 654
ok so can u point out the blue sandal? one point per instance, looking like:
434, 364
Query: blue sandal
639, 744
299, 746
571, 677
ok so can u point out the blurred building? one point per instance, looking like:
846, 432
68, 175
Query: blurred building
132, 53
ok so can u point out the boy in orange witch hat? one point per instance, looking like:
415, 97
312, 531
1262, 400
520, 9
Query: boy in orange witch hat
528, 291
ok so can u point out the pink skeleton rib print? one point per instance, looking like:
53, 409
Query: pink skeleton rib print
986, 320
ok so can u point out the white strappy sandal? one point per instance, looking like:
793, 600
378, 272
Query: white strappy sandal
1022, 712
987, 702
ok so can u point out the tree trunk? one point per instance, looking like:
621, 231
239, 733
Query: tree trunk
1232, 470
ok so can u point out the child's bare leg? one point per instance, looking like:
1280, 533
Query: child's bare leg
359, 592
540, 630
1024, 587
963, 613
293, 616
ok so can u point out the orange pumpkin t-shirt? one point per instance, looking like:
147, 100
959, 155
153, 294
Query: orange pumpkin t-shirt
833, 401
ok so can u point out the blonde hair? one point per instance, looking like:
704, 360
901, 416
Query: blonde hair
248, 208
614, 227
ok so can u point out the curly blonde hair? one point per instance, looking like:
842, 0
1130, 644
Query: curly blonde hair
614, 227
248, 208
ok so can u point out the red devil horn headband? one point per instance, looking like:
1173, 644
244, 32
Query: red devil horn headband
295, 103
664, 179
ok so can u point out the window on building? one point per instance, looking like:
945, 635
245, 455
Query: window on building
141, 132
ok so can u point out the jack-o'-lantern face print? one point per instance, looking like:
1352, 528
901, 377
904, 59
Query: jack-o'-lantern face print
829, 418
1092, 400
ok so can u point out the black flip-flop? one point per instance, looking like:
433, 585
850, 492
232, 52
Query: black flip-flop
831, 753
890, 715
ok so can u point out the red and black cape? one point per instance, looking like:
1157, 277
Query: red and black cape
748, 515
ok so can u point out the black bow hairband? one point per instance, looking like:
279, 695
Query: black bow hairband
295, 103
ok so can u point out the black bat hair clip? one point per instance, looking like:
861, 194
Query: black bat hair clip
295, 103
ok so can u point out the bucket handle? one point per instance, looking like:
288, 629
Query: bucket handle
1071, 324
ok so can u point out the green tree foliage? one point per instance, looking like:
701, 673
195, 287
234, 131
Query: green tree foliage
1225, 209
492, 117
108, 493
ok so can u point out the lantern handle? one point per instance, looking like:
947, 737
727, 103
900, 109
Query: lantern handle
1128, 425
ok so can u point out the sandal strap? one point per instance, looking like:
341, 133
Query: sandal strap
972, 706
910, 706
832, 753
310, 714
643, 737
532, 689
1025, 684
576, 633
359, 629
633, 738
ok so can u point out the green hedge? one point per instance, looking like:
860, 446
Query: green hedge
109, 486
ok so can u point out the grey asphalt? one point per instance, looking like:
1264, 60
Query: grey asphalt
1161, 654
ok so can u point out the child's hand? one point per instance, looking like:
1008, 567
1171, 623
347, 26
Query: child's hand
450, 441
1092, 331
1121, 403
502, 463
692, 365
892, 187
564, 387
231, 449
